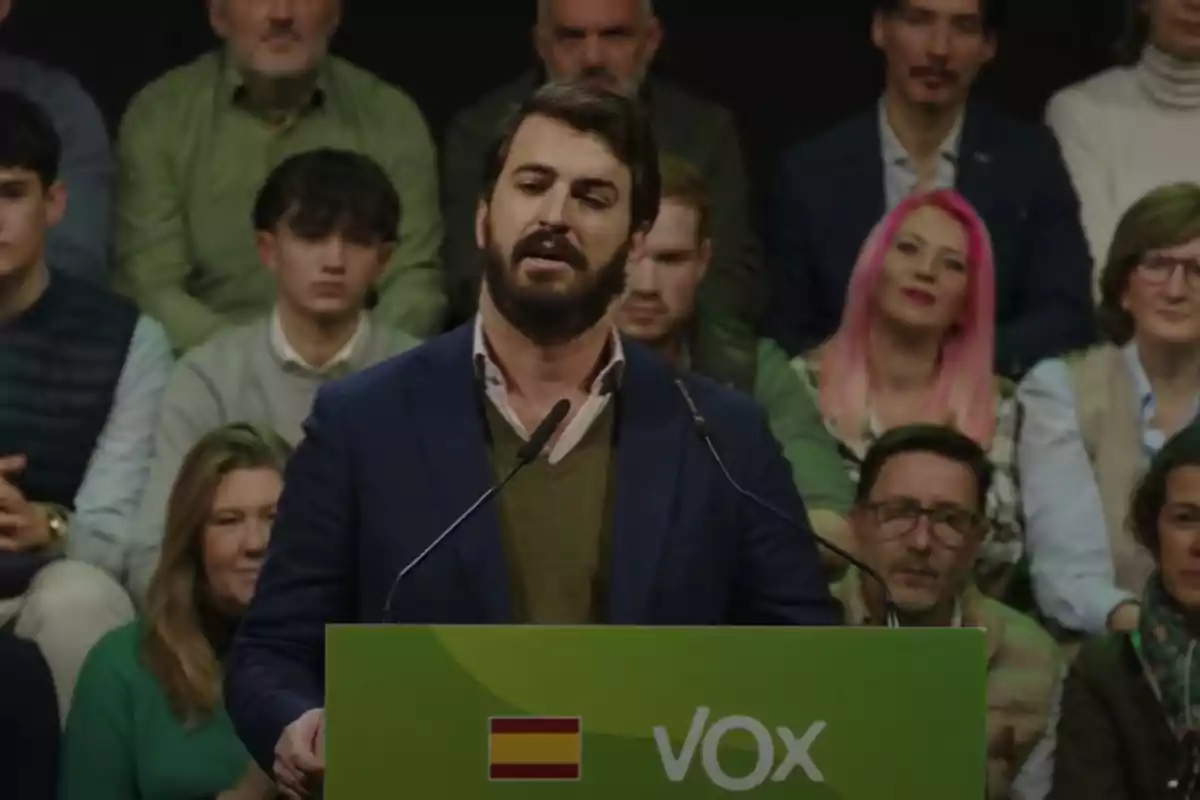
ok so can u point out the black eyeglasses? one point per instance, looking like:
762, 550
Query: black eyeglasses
1159, 268
953, 526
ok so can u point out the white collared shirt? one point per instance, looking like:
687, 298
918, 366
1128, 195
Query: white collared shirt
900, 175
1152, 438
287, 354
599, 394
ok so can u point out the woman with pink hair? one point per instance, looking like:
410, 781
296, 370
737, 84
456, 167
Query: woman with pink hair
915, 345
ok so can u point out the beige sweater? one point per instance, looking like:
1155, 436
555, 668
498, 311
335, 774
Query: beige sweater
237, 376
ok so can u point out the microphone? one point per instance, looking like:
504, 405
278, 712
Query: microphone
525, 456
893, 616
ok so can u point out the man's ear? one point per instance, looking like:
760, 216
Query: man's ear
654, 37
704, 257
991, 43
637, 246
218, 18
267, 246
878, 29
481, 222
56, 203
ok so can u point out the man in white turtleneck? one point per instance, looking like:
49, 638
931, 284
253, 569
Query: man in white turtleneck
1133, 128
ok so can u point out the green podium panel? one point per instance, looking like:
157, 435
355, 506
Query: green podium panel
624, 713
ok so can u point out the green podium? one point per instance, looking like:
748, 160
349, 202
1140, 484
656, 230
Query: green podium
623, 713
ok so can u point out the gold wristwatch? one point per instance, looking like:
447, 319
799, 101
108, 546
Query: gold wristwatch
57, 519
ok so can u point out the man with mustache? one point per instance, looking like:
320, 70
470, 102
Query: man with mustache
612, 43
196, 145
925, 133
624, 518
917, 521
659, 310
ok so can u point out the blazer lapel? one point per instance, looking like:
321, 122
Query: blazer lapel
652, 424
455, 444
976, 162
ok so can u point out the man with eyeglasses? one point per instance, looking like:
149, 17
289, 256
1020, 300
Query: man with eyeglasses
918, 521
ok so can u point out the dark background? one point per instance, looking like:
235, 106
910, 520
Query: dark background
784, 73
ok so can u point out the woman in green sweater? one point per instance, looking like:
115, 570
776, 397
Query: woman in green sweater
148, 721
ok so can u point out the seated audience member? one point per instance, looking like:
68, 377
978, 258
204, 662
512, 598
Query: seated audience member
326, 223
915, 345
1135, 126
29, 737
612, 43
79, 244
658, 309
1128, 728
196, 144
926, 134
917, 521
149, 719
1092, 420
83, 376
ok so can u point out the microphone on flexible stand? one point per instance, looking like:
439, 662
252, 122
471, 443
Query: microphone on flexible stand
528, 452
893, 616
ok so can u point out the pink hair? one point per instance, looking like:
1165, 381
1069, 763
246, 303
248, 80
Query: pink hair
964, 393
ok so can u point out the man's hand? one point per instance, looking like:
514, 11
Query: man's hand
1125, 617
23, 525
254, 785
300, 755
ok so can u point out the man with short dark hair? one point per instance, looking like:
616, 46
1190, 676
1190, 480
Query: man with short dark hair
197, 143
658, 309
926, 133
83, 376
326, 223
624, 518
917, 521
79, 243
612, 43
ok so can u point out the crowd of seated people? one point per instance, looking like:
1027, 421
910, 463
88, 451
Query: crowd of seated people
976, 341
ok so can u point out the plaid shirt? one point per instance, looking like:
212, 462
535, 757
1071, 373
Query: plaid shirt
1004, 545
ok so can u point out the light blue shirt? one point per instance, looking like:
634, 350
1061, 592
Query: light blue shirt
1152, 438
101, 528
1065, 528
79, 243
900, 174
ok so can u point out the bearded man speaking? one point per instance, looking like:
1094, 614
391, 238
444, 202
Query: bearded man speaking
623, 516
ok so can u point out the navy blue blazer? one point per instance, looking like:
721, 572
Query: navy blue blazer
829, 194
394, 454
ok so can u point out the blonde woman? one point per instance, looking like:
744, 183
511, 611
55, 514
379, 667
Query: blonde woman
148, 718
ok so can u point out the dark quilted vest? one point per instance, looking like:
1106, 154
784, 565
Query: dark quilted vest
59, 365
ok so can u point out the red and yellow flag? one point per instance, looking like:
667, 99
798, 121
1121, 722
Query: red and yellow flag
534, 748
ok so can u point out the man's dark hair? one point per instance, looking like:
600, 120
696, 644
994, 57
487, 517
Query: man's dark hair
28, 139
939, 440
320, 192
1181, 450
618, 120
992, 12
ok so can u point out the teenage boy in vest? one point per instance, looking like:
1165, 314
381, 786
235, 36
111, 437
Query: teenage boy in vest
659, 309
81, 379
917, 522
325, 223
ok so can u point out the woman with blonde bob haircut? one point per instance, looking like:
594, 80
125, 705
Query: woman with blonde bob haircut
1094, 419
148, 718
915, 345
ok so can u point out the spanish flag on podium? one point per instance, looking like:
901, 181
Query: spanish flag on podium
535, 748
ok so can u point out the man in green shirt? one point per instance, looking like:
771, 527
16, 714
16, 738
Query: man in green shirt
196, 145
658, 309
612, 43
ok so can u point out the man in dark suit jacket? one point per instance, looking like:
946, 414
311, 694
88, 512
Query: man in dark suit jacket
625, 520
612, 43
924, 134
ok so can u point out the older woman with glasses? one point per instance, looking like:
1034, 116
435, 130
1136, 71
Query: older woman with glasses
1093, 420
1131, 704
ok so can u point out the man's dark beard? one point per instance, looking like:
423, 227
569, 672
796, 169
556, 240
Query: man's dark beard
547, 318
